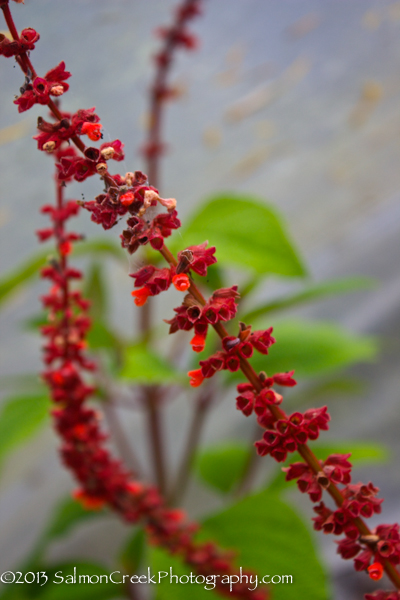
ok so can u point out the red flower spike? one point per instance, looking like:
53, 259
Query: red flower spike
196, 378
127, 199
198, 343
375, 571
181, 283
92, 130
141, 296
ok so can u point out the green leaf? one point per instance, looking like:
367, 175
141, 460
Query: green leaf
272, 540
101, 246
141, 366
309, 294
33, 323
27, 382
313, 348
67, 515
100, 336
20, 418
214, 279
132, 553
23, 274
334, 388
361, 453
172, 589
221, 466
18, 277
95, 290
246, 232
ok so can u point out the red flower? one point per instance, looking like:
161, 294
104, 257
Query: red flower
141, 296
127, 199
245, 402
92, 130
375, 571
181, 282
201, 258
88, 501
198, 343
262, 340
285, 379
196, 377
114, 150
65, 248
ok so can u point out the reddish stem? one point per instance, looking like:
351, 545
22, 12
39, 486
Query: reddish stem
157, 95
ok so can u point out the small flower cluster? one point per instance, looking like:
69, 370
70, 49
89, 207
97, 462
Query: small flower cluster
27, 40
140, 231
174, 37
335, 468
249, 399
286, 434
39, 89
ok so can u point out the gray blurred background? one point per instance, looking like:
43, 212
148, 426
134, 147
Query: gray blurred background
295, 101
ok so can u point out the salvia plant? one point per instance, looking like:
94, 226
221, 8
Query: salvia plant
76, 374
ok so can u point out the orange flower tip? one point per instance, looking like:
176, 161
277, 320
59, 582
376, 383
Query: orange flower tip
87, 501
65, 248
140, 296
92, 130
198, 343
127, 199
181, 282
375, 571
196, 378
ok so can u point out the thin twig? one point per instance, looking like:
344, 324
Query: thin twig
250, 468
152, 398
203, 403
123, 445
